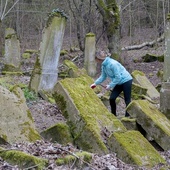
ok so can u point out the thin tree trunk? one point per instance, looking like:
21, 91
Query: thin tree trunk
111, 21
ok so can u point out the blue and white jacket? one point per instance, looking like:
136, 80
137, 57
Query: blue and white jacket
114, 71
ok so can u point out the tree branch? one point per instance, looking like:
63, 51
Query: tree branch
149, 44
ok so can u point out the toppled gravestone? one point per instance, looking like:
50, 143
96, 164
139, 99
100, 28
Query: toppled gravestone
140, 78
132, 147
16, 122
152, 121
95, 129
86, 115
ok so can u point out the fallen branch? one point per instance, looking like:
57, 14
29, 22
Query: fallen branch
149, 44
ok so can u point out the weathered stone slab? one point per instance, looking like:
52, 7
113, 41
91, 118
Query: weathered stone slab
59, 133
152, 121
12, 49
89, 54
45, 74
87, 116
16, 123
140, 78
133, 148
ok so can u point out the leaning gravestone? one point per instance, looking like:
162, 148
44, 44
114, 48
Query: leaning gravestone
12, 48
45, 73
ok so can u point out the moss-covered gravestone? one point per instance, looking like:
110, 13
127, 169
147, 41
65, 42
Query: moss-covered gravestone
86, 114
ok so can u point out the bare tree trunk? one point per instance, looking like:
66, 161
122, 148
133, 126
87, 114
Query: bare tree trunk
111, 21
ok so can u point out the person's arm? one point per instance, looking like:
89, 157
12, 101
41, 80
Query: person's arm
102, 77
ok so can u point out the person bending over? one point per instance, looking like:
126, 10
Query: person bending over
120, 79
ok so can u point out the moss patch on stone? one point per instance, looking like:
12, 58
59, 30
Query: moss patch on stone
132, 144
22, 159
81, 158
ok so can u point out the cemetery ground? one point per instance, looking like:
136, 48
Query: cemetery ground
46, 114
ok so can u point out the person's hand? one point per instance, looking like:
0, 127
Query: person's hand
107, 87
93, 86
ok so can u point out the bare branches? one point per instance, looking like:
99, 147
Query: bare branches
4, 12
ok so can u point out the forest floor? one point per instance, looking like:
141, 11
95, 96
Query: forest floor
46, 114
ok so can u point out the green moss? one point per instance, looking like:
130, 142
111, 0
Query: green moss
33, 135
14, 89
30, 115
90, 34
59, 133
93, 119
3, 139
30, 51
79, 156
61, 103
157, 117
10, 36
55, 13
63, 52
26, 55
133, 141
23, 160
29, 132
137, 72
8, 68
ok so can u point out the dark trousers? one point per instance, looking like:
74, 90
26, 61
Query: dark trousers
126, 88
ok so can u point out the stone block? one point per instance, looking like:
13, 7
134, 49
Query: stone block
140, 78
133, 148
59, 133
152, 121
88, 118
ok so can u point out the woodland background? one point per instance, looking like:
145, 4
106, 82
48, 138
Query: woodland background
141, 21
28, 18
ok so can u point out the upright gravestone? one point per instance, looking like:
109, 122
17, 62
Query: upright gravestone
45, 73
12, 48
165, 89
89, 59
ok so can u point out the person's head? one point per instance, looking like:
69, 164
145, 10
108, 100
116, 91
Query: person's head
100, 56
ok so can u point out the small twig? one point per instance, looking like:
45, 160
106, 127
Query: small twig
31, 167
